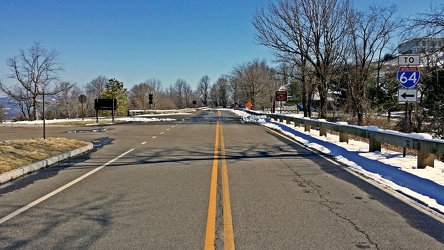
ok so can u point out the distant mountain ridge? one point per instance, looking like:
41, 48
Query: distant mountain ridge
10, 106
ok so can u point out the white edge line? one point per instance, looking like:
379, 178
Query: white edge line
60, 189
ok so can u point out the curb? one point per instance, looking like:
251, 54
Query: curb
19, 172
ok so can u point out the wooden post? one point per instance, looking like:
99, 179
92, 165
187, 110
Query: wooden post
425, 159
374, 145
343, 137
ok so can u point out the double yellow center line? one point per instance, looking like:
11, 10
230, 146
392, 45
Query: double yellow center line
212, 205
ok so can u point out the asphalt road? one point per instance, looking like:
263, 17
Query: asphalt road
204, 181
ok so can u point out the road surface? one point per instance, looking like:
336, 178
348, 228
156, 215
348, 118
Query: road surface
204, 181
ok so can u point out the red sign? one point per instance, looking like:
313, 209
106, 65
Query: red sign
281, 96
408, 68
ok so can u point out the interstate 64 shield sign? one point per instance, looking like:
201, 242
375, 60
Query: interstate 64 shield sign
408, 76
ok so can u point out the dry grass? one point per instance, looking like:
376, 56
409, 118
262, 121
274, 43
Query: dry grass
19, 153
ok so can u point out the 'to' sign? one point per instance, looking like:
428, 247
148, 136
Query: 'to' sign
409, 60
408, 76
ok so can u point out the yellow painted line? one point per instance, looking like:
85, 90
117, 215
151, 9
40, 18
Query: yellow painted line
211, 217
210, 234
228, 219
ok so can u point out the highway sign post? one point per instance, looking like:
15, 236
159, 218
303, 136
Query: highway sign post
280, 96
105, 104
82, 100
408, 76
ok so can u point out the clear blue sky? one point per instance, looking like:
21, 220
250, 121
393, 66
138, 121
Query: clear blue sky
135, 40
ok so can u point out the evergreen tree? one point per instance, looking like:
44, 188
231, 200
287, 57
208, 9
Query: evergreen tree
114, 90
433, 100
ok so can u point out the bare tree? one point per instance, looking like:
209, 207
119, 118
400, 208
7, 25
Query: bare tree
203, 88
181, 93
255, 82
64, 102
214, 95
309, 33
369, 35
427, 114
34, 69
155, 86
94, 89
223, 90
431, 21
177, 93
75, 107
23, 100
235, 89
190, 96
139, 94
163, 100
286, 76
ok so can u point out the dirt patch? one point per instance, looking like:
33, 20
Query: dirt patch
19, 153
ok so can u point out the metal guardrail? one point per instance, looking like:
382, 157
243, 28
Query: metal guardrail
426, 148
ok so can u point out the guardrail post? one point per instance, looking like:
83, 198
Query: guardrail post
343, 137
288, 121
425, 159
281, 119
427, 149
374, 145
323, 132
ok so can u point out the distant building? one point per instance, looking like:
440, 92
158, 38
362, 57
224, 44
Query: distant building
421, 45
